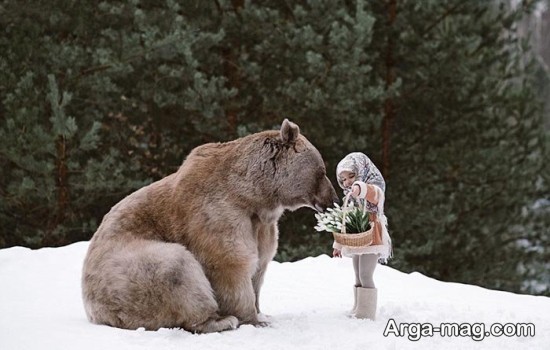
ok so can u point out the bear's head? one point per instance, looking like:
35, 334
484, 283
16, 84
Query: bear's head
292, 171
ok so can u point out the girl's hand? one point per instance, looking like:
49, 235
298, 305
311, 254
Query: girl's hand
372, 193
336, 253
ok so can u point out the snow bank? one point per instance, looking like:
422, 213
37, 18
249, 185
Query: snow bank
41, 308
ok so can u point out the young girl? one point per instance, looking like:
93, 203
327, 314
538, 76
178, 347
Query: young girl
356, 174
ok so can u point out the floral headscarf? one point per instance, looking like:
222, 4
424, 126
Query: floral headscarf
364, 170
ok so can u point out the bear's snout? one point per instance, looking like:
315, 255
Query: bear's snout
326, 197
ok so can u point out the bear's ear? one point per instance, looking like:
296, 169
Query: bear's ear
289, 131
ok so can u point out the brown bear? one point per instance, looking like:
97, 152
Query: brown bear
191, 250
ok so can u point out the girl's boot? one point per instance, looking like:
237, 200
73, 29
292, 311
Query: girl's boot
366, 303
354, 308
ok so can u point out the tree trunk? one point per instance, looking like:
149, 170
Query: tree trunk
389, 107
62, 184
231, 70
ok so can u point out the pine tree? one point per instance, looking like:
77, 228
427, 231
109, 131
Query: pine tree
310, 62
467, 151
60, 169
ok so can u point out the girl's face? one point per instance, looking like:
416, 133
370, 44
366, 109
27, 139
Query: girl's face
347, 178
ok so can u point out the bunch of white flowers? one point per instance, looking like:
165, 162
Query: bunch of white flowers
330, 220
357, 220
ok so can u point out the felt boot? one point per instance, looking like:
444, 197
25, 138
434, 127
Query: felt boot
354, 308
366, 303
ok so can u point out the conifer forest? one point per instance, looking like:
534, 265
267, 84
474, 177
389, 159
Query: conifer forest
449, 98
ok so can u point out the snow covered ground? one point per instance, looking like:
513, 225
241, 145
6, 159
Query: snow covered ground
41, 308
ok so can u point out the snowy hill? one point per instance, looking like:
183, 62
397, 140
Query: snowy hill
41, 308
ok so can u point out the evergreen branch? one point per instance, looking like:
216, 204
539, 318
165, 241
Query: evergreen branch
440, 19
289, 9
92, 70
218, 7
515, 239
463, 213
20, 166
99, 68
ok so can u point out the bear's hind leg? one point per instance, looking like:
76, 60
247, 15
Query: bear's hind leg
152, 285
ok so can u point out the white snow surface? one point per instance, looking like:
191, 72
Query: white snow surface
41, 308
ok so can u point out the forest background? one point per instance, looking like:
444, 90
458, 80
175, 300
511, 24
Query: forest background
447, 97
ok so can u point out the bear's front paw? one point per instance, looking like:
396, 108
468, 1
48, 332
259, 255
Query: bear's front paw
231, 322
262, 324
259, 321
264, 318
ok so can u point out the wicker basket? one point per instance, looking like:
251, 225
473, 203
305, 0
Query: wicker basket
362, 239
353, 239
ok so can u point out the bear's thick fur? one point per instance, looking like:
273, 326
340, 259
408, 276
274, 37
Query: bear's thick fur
191, 249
